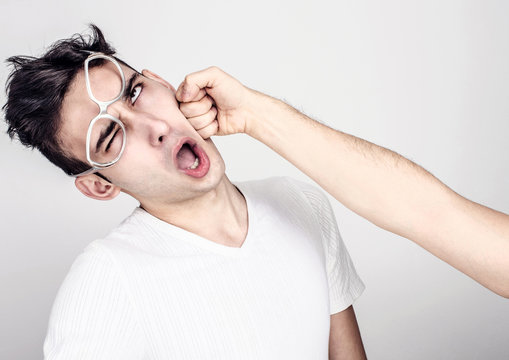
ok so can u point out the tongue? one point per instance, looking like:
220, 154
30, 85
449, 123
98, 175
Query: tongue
185, 157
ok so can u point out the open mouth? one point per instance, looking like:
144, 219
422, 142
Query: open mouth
192, 159
186, 158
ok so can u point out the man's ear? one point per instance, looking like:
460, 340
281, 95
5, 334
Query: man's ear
149, 74
95, 187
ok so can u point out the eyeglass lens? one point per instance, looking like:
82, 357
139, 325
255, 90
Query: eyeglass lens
105, 79
106, 138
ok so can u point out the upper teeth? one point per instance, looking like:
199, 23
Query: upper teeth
195, 164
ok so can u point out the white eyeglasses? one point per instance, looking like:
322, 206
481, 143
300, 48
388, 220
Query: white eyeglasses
106, 135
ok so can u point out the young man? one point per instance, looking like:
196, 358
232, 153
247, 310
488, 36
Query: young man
203, 268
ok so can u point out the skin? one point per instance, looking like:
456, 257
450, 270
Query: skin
385, 188
203, 108
210, 206
345, 339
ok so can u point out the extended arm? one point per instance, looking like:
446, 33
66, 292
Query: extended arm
392, 192
385, 188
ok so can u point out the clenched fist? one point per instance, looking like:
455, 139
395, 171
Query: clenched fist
216, 104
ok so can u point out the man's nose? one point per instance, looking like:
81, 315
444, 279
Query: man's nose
144, 125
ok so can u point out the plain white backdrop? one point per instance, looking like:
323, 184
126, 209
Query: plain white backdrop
428, 79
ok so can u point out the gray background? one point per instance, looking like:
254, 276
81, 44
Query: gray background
428, 79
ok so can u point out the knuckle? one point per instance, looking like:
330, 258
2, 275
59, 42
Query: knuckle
205, 100
185, 110
208, 102
194, 123
188, 81
215, 69
211, 116
201, 94
203, 133
203, 122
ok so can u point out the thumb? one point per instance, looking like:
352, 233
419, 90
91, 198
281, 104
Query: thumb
194, 84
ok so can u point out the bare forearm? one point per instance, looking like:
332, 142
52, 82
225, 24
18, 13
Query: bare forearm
368, 179
392, 192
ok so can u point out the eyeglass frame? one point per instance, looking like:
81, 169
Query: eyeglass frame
103, 106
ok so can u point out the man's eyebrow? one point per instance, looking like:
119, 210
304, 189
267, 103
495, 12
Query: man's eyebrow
129, 85
104, 135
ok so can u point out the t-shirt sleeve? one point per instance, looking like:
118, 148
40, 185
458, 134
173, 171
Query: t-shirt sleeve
345, 286
92, 316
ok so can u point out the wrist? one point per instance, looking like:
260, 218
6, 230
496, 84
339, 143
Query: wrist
260, 112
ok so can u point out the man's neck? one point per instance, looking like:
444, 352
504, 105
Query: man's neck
219, 215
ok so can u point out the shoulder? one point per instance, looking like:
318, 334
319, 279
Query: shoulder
92, 286
91, 270
126, 239
282, 187
292, 192
94, 256
299, 200
92, 313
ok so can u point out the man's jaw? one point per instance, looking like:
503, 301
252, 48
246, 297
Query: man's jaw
190, 158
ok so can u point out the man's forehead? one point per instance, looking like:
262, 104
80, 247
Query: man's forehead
76, 100
76, 107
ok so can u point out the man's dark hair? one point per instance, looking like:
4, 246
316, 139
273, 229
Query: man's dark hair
35, 91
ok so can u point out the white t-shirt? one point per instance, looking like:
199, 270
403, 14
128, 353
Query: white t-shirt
151, 290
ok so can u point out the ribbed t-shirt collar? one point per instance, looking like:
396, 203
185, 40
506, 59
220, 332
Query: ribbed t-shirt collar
179, 234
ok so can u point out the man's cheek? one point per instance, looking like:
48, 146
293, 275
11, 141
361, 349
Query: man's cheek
166, 108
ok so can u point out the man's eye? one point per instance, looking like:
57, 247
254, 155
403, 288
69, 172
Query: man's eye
135, 92
111, 140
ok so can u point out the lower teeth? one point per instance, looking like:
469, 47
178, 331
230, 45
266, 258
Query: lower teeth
195, 164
